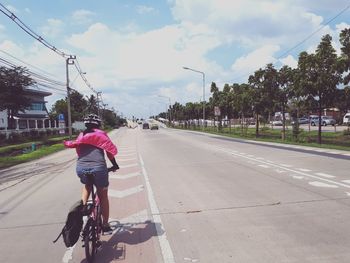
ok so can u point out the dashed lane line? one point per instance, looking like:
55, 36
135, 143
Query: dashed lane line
284, 167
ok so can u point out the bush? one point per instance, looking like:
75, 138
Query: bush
14, 137
2, 137
346, 132
34, 134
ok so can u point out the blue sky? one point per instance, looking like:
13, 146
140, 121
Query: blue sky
134, 51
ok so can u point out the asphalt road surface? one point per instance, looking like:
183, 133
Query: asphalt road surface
183, 196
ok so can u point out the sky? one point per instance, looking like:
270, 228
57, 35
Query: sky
134, 51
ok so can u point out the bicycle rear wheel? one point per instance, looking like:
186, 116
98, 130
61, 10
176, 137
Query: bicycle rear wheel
90, 240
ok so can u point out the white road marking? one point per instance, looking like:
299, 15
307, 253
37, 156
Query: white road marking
288, 169
304, 170
124, 193
346, 181
286, 165
299, 177
126, 154
129, 165
165, 248
280, 171
264, 166
322, 184
325, 175
125, 176
68, 255
347, 193
126, 159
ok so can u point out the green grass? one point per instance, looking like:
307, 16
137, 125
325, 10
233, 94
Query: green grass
330, 140
42, 151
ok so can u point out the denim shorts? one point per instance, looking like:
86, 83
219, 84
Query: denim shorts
100, 176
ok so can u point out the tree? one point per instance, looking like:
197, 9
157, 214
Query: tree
285, 82
320, 76
265, 87
92, 104
344, 65
13, 82
78, 106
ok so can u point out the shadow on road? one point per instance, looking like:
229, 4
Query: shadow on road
128, 233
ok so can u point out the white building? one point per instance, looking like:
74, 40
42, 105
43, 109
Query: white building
35, 117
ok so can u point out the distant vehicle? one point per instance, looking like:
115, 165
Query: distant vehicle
325, 120
277, 123
346, 119
302, 121
145, 125
154, 126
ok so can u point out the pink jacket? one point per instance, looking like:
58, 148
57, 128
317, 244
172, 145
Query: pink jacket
97, 138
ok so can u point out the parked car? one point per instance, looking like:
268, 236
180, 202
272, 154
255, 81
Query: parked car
277, 123
145, 125
154, 126
346, 119
325, 120
302, 121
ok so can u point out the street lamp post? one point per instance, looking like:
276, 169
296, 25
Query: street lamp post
203, 74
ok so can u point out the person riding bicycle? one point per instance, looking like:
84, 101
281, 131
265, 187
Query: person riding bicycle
90, 146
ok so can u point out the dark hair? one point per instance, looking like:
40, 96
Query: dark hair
90, 127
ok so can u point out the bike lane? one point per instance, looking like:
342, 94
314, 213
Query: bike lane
135, 236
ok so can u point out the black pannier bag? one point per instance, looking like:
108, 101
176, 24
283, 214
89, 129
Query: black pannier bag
74, 223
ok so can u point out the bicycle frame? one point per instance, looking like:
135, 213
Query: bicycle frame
93, 226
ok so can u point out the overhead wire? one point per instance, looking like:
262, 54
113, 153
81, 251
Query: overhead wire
30, 32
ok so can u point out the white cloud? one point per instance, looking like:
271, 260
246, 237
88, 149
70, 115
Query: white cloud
289, 61
53, 28
255, 60
82, 16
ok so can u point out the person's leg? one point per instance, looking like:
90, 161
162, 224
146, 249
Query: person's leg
103, 195
85, 193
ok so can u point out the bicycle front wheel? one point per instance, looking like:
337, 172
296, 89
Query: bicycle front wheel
90, 240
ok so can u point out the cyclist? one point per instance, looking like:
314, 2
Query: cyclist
90, 146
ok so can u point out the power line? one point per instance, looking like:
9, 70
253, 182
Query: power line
26, 63
29, 31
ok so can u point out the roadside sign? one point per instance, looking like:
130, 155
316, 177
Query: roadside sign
61, 117
217, 111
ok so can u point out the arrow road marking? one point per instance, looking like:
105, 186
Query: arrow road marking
124, 193
126, 176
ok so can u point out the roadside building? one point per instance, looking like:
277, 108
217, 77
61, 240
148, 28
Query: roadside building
34, 117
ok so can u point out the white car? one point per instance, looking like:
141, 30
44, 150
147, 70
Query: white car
325, 120
346, 119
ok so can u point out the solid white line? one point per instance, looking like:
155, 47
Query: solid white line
165, 248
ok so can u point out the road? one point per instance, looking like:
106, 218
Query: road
183, 196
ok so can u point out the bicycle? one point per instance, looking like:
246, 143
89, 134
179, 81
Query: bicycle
93, 228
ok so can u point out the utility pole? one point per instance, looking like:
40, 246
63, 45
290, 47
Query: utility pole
69, 61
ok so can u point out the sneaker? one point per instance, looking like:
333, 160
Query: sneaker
106, 228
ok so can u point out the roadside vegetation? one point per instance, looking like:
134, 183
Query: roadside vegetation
320, 82
339, 140
27, 151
